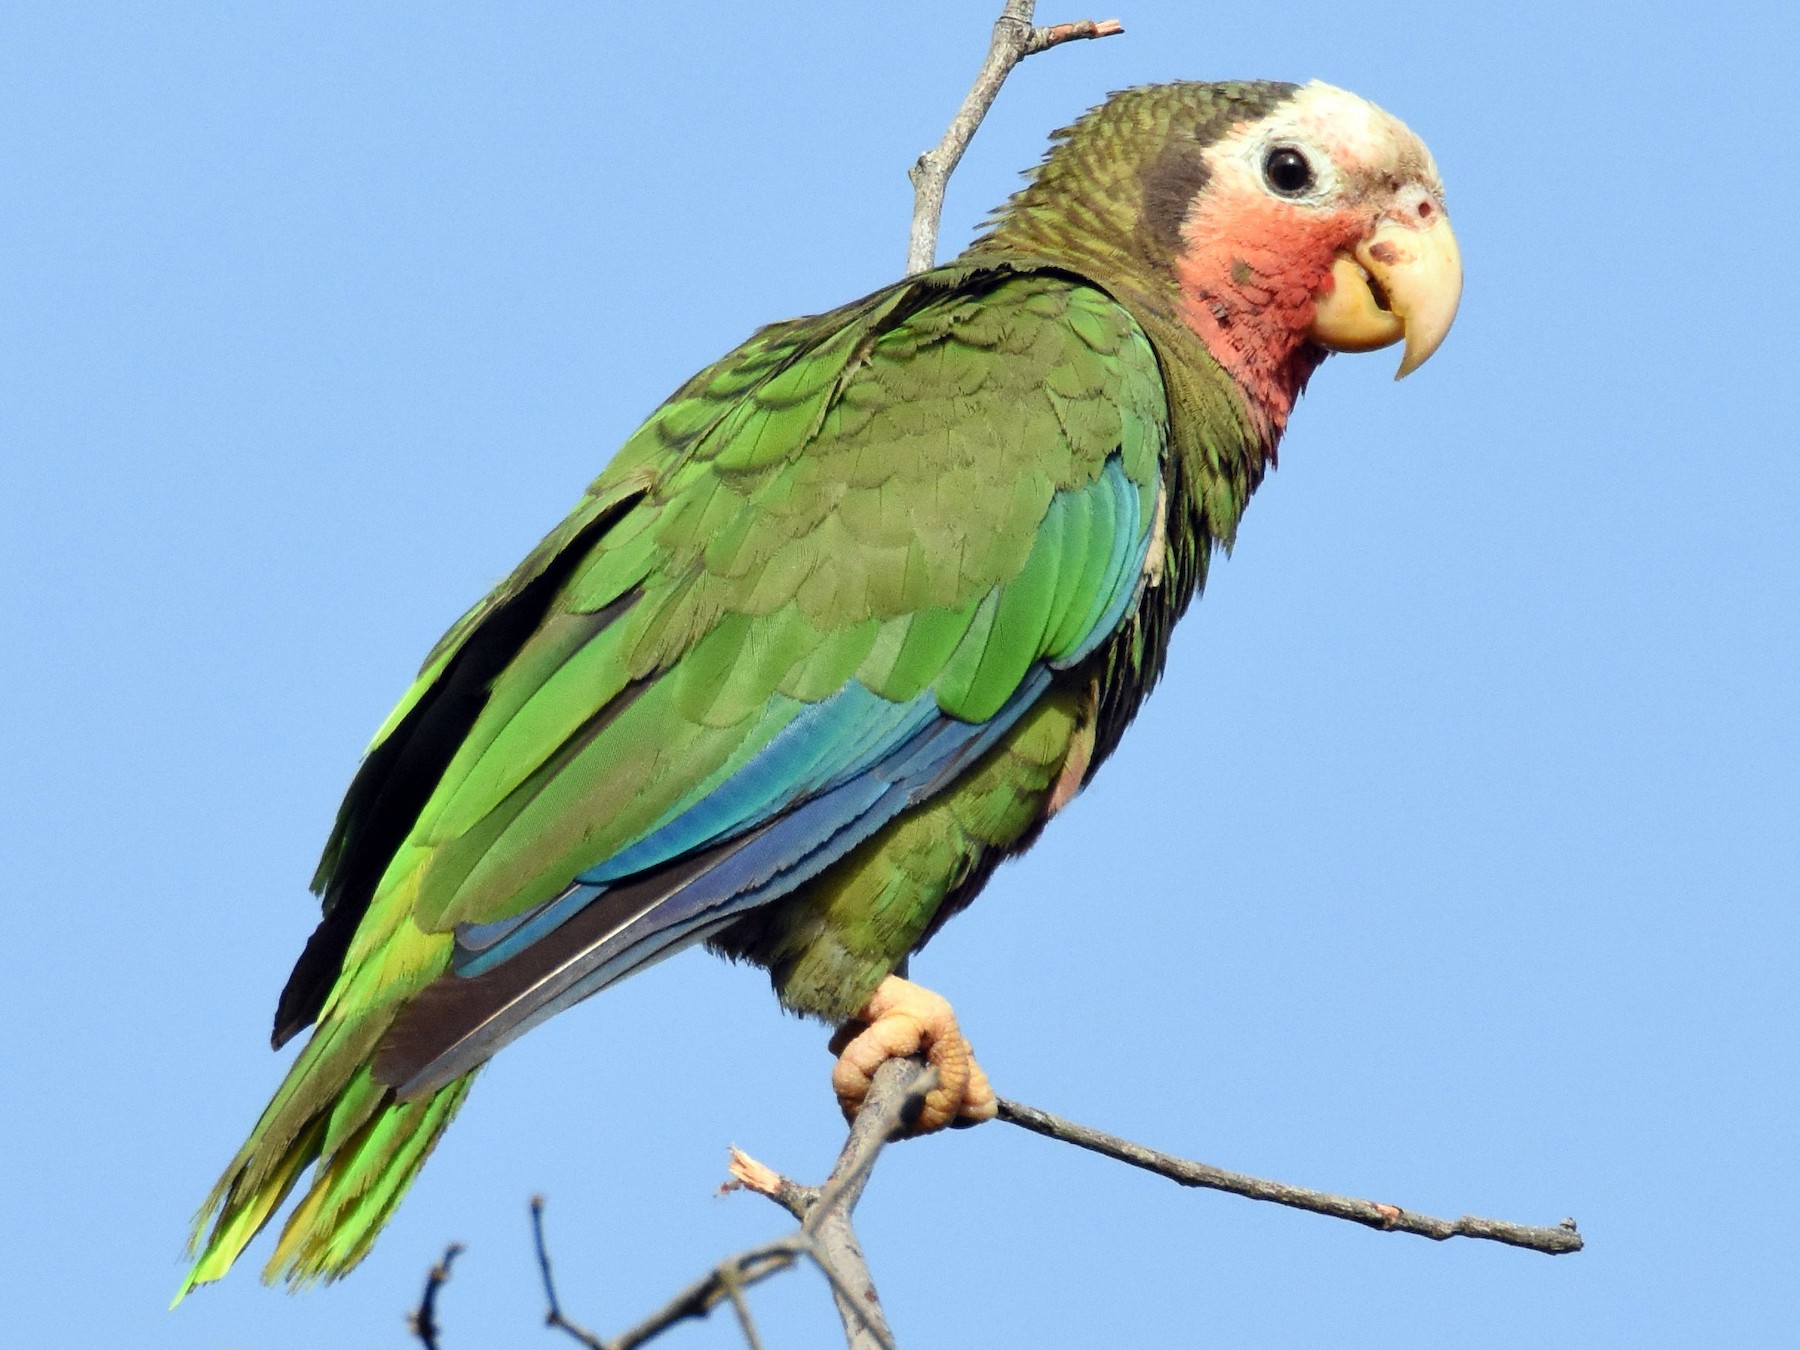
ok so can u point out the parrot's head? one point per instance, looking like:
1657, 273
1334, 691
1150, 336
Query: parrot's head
1277, 222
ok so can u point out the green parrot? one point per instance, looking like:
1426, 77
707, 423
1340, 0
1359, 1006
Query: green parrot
842, 625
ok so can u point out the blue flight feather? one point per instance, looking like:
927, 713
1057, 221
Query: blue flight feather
797, 847
827, 742
852, 761
811, 837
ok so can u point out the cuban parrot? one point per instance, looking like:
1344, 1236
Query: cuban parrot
841, 626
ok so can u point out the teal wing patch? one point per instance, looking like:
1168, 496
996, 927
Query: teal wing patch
843, 563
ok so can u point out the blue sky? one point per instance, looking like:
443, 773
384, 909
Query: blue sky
1454, 864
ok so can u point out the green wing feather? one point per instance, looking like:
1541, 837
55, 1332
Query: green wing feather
895, 493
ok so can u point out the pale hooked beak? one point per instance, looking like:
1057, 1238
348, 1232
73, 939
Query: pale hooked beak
1403, 281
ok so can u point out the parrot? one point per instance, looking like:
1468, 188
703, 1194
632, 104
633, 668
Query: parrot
841, 627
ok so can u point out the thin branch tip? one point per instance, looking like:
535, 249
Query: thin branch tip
750, 1175
422, 1321
1054, 35
1558, 1240
553, 1313
747, 1174
824, 1236
1014, 38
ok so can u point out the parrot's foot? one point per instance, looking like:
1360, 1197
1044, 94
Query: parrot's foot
900, 1020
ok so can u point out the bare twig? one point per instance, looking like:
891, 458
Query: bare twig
1014, 39
423, 1319
827, 1237
747, 1174
864, 1323
898, 1087
824, 1236
899, 1084
1054, 35
553, 1315
710, 1290
1555, 1241
741, 1305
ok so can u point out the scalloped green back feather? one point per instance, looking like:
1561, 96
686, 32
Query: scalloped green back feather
867, 495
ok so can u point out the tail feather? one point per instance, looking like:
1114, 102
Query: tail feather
236, 1213
313, 1095
330, 1114
358, 1179
357, 1187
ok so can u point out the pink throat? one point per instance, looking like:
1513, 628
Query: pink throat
1248, 277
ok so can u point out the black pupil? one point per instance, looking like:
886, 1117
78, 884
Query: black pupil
1288, 171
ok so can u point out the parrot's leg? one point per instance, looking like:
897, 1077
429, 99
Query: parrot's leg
902, 1019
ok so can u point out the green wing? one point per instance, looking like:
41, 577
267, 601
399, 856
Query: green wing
880, 524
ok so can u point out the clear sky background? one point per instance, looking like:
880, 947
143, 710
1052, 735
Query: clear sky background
1454, 864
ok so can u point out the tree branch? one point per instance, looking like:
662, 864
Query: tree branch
825, 1212
741, 1305
423, 1320
1554, 1241
1014, 39
899, 1085
825, 1236
553, 1314
698, 1299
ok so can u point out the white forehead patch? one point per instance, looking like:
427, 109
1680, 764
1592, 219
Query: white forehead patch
1355, 146
1357, 132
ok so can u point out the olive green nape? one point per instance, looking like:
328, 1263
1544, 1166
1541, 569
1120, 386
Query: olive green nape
1109, 197
1107, 203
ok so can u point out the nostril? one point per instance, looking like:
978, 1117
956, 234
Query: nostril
1425, 210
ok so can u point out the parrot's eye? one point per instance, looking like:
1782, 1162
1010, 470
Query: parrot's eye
1287, 171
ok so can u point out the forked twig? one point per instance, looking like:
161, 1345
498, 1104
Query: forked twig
422, 1321
1014, 39
553, 1313
899, 1087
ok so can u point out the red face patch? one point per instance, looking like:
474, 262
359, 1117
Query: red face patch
1249, 272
